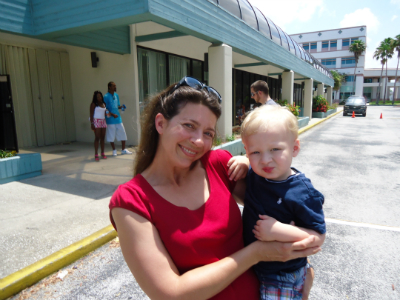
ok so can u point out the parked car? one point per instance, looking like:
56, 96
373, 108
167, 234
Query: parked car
356, 104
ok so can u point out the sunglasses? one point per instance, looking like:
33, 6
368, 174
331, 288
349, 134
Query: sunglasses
196, 84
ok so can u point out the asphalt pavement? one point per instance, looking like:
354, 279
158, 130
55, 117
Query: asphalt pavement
355, 163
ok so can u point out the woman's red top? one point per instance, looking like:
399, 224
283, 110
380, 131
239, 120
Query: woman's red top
198, 237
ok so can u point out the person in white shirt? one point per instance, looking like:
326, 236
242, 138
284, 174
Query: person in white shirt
260, 93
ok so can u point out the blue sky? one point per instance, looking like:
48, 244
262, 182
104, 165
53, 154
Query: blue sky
382, 18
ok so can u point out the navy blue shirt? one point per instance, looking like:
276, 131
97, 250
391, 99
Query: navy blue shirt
294, 199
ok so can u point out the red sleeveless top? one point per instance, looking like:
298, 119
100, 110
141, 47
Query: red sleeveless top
198, 237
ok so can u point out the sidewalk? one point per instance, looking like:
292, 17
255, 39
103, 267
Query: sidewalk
65, 205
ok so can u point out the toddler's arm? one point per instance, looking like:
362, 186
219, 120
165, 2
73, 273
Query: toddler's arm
269, 229
238, 167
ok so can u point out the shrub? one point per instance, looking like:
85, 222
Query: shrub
333, 106
293, 108
230, 138
4, 154
281, 102
320, 104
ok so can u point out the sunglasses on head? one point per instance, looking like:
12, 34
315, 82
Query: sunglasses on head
196, 84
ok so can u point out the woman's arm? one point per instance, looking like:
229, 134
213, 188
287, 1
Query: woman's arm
158, 276
269, 229
92, 107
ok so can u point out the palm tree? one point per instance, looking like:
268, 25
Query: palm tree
379, 55
357, 48
338, 79
396, 45
389, 49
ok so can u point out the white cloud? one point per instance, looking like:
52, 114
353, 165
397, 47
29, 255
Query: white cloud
293, 10
394, 18
395, 2
361, 17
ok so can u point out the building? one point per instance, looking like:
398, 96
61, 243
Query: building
57, 53
331, 48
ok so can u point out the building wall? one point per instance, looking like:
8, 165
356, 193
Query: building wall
85, 80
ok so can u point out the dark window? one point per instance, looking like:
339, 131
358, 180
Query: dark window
285, 42
329, 62
367, 80
333, 44
325, 45
248, 14
348, 62
306, 47
298, 52
349, 78
353, 40
313, 46
263, 26
346, 42
197, 70
274, 32
232, 6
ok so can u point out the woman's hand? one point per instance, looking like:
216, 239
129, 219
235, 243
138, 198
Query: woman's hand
238, 167
277, 251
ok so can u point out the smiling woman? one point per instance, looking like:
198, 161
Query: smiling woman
179, 226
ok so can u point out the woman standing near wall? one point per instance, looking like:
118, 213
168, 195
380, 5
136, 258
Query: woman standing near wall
98, 123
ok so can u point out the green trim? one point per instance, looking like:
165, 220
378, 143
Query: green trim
274, 74
301, 78
251, 65
159, 36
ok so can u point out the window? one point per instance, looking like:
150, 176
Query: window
348, 62
367, 80
285, 42
313, 47
346, 42
329, 62
306, 47
349, 78
333, 45
353, 40
325, 46
232, 6
263, 26
274, 32
248, 14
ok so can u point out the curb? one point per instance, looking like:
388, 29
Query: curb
304, 129
16, 282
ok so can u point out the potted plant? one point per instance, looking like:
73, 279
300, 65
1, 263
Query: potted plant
320, 107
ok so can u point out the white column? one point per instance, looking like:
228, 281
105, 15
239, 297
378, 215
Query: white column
308, 94
329, 95
320, 90
288, 86
132, 123
220, 78
319, 46
359, 85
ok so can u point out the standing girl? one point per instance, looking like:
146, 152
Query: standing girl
98, 122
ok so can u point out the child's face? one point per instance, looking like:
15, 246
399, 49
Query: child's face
271, 152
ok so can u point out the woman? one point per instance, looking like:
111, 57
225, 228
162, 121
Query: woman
179, 226
98, 123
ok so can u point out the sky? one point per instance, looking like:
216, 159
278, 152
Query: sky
382, 18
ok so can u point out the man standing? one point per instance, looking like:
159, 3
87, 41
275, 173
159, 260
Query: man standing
115, 128
260, 93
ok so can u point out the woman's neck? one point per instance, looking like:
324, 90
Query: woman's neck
162, 172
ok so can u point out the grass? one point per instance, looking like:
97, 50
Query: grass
388, 102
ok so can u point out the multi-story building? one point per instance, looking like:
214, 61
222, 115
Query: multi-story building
331, 48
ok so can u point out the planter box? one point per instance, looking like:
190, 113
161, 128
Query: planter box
235, 148
20, 167
303, 121
318, 114
331, 111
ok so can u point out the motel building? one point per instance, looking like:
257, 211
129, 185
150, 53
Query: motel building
331, 48
54, 54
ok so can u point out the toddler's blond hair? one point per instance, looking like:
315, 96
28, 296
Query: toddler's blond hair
269, 115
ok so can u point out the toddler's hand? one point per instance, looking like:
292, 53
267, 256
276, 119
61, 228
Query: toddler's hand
238, 167
266, 229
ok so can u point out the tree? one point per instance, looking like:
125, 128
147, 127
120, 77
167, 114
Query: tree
388, 45
357, 48
338, 78
396, 45
380, 55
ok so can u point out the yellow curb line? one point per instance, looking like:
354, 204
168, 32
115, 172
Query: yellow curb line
28, 276
304, 129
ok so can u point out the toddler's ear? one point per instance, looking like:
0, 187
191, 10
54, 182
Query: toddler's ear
296, 147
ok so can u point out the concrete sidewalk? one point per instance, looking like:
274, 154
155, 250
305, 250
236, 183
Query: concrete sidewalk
46, 215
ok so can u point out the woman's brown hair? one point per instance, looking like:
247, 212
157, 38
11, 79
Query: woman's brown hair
169, 105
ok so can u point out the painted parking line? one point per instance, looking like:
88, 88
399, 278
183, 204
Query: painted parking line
364, 225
